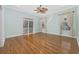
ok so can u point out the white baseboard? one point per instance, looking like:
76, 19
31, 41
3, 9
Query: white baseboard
69, 36
13, 36
38, 32
19, 35
62, 35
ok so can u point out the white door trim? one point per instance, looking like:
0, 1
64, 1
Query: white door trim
2, 28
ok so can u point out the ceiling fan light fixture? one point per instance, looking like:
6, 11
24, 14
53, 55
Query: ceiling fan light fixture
41, 9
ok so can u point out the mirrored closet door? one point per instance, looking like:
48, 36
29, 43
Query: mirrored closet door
67, 24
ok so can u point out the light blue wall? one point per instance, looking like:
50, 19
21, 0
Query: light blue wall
37, 25
14, 22
53, 22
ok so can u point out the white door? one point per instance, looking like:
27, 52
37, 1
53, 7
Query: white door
43, 25
2, 39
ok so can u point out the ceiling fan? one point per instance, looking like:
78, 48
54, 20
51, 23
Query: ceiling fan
41, 9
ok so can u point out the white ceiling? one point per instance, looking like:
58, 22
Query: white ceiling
31, 8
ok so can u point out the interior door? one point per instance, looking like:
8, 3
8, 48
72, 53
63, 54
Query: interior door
43, 25
2, 39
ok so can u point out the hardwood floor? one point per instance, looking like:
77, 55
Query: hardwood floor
40, 43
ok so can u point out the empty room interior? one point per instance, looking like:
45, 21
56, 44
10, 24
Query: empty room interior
39, 29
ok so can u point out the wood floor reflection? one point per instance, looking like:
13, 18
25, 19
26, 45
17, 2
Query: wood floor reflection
40, 43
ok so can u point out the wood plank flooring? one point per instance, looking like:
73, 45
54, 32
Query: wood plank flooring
40, 43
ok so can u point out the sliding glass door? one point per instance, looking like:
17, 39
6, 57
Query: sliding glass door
27, 26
